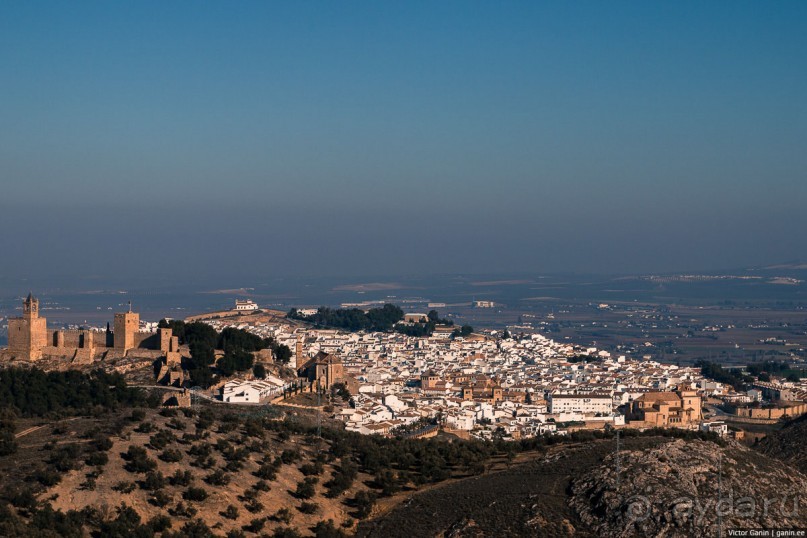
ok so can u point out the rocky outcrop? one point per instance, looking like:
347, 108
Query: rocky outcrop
689, 488
787, 444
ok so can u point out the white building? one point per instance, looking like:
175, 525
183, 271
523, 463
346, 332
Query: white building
581, 403
718, 427
245, 305
239, 391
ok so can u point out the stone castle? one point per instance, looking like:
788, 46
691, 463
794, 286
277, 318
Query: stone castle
30, 339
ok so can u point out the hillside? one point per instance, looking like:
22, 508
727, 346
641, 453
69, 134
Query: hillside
787, 444
86, 455
573, 492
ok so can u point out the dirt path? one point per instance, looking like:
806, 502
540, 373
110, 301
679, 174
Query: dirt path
23, 433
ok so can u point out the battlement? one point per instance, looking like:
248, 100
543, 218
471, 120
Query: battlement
30, 339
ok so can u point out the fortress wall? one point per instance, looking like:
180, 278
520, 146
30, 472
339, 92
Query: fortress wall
147, 340
73, 339
64, 338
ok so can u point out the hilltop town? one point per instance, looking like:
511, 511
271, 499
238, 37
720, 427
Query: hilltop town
491, 384
483, 384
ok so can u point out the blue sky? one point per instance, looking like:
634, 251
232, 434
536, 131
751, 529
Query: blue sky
400, 137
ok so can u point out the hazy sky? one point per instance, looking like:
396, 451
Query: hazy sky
401, 137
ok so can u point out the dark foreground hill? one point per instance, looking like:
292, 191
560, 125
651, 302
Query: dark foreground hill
664, 487
787, 444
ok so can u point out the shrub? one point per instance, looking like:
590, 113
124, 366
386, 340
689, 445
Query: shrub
160, 498
160, 440
176, 424
289, 456
310, 469
102, 443
306, 489
124, 487
308, 508
65, 458
266, 472
159, 523
97, 459
342, 478
195, 494
153, 481
364, 501
183, 510
181, 478
256, 525
327, 529
171, 455
145, 427
284, 515
218, 478
231, 512
138, 460
48, 477
285, 532
254, 506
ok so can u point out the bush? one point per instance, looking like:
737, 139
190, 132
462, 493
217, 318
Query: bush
195, 494
218, 478
97, 459
102, 443
183, 510
342, 478
160, 440
48, 477
261, 485
266, 472
171, 455
326, 529
160, 499
285, 532
181, 478
284, 515
145, 427
197, 529
289, 456
231, 512
308, 508
306, 489
153, 481
364, 501
176, 424
311, 469
124, 487
66, 458
8, 443
159, 523
256, 525
138, 460
254, 506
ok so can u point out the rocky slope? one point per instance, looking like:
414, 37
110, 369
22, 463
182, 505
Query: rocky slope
688, 488
788, 444
666, 487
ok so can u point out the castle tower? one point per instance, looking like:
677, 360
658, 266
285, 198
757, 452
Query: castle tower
30, 307
298, 352
27, 335
127, 325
